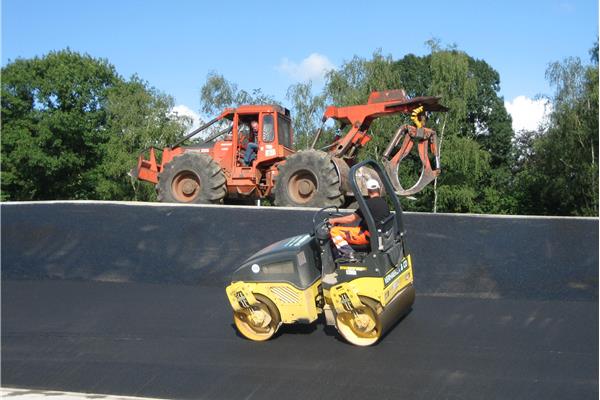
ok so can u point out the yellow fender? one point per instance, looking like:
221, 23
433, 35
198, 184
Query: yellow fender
344, 298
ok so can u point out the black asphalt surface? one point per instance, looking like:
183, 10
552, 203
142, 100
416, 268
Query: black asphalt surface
130, 300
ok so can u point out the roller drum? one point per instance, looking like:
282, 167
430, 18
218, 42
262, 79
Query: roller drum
396, 309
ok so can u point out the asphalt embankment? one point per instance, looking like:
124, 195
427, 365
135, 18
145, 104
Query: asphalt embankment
128, 299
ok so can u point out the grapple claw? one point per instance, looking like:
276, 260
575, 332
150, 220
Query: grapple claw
393, 155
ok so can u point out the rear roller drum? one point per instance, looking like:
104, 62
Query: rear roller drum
259, 322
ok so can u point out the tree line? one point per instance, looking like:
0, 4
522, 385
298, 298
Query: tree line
72, 128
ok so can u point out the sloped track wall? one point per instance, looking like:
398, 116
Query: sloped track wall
129, 300
453, 254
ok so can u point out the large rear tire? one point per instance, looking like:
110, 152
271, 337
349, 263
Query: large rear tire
261, 322
308, 179
192, 178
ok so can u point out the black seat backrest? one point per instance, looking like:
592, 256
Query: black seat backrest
390, 241
387, 232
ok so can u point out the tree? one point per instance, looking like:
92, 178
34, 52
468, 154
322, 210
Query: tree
469, 87
138, 117
475, 134
72, 128
451, 80
307, 111
488, 121
558, 174
54, 120
353, 83
218, 93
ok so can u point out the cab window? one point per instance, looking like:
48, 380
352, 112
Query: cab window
245, 133
284, 131
268, 130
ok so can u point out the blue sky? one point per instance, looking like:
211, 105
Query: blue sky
272, 44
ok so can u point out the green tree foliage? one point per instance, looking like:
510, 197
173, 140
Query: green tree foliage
486, 118
307, 111
451, 80
488, 121
352, 84
54, 121
67, 128
218, 93
138, 117
558, 169
475, 134
72, 129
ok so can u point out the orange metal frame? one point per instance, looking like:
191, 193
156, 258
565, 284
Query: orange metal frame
360, 117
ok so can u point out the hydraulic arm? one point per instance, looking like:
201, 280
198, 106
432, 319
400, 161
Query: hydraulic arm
360, 117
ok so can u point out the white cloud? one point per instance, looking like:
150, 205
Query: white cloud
186, 112
566, 6
527, 114
312, 68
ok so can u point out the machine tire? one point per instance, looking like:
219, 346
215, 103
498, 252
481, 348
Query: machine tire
246, 328
346, 328
350, 203
308, 179
192, 178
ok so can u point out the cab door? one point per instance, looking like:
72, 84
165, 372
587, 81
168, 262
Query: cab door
267, 149
245, 178
237, 149
275, 137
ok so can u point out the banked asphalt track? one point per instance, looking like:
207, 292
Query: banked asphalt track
129, 299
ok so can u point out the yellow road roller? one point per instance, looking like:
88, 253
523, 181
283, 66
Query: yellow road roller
295, 280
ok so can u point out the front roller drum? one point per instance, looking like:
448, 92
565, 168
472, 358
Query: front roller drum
258, 322
361, 326
365, 325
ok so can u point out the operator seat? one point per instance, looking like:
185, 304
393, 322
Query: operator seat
385, 233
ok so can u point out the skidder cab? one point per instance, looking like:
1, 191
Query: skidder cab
297, 279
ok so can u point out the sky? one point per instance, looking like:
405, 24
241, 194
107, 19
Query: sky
270, 45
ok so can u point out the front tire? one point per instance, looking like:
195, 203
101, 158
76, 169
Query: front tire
192, 178
308, 179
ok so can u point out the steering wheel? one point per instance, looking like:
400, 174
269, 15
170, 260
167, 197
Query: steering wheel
321, 223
